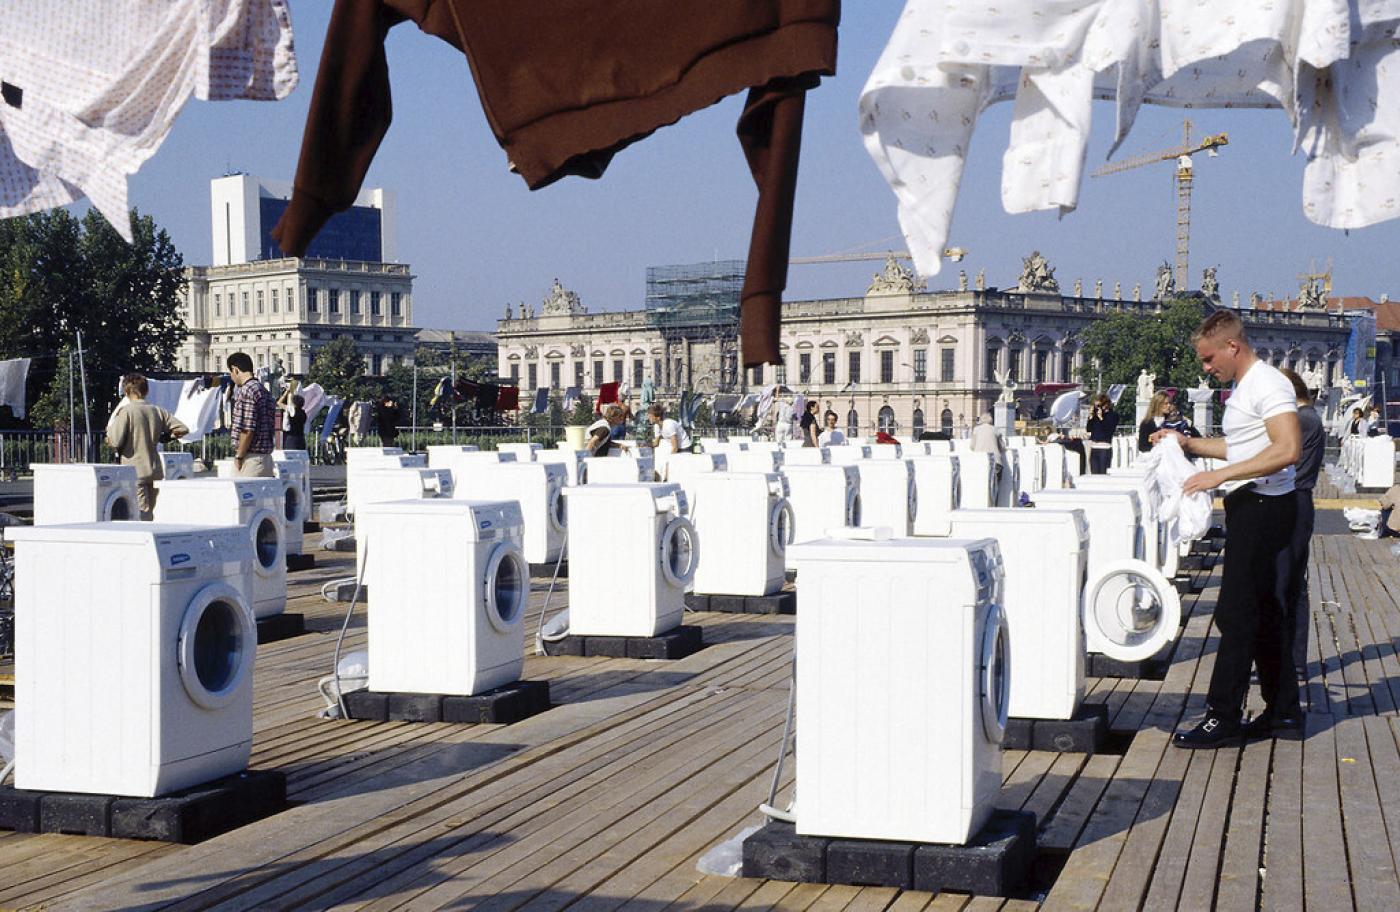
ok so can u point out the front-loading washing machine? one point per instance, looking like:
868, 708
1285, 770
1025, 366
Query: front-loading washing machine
902, 688
977, 479
447, 608
176, 465
255, 505
939, 491
134, 661
632, 553
1009, 485
303, 460
684, 468
847, 453
888, 495
296, 507
763, 462
1032, 473
802, 456
745, 522
369, 462
440, 454
538, 489
460, 464
574, 463
621, 469
1056, 466
80, 492
378, 485
823, 497
523, 452
890, 451
1045, 558
1157, 547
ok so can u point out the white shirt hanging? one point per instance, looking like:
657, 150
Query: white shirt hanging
91, 91
1332, 66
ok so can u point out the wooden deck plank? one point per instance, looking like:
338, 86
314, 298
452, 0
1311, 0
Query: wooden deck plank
1244, 838
1326, 884
1283, 844
1373, 872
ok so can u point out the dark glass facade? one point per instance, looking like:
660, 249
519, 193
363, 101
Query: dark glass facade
354, 234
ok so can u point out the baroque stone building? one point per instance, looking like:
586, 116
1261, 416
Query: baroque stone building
898, 357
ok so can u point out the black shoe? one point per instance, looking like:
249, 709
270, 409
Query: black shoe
1212, 732
1265, 725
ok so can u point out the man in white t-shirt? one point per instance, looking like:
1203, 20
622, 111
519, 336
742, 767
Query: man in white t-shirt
833, 435
1262, 443
667, 437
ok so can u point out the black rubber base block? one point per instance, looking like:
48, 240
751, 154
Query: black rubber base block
310, 527
343, 592
282, 626
343, 545
546, 570
1086, 733
1188, 585
673, 644
187, 816
995, 862
778, 603
502, 706
301, 562
790, 576
1361, 490
1101, 666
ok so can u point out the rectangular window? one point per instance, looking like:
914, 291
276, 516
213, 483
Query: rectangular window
578, 374
617, 370
780, 372
993, 363
374, 303
828, 367
354, 301
639, 368
804, 368
554, 369
245, 303
656, 370
920, 365
291, 300
274, 300
533, 372
758, 375
853, 367
313, 295
395, 304
1013, 363
514, 374
260, 301
1042, 363
887, 366
218, 305
333, 296
947, 365
597, 373
375, 364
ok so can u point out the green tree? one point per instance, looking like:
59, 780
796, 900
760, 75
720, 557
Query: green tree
340, 369
583, 411
60, 276
1122, 344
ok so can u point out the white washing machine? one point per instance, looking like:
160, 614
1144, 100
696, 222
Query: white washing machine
296, 506
134, 661
176, 465
935, 447
80, 492
1114, 517
804, 456
977, 479
902, 688
888, 495
1157, 547
632, 553
356, 455
303, 460
746, 522
888, 451
379, 485
573, 461
538, 489
938, 489
1009, 485
822, 498
761, 461
1056, 466
1032, 472
684, 468
369, 462
461, 463
253, 504
1045, 556
623, 469
447, 608
847, 454
440, 454
523, 452
1377, 463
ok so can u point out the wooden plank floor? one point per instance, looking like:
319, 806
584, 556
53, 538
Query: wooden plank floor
608, 800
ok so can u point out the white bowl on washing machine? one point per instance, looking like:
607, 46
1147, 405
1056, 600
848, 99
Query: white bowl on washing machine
80, 492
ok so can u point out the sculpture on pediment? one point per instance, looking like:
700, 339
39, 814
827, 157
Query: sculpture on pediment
562, 303
1166, 283
1235, 300
1098, 288
1146, 383
1210, 286
1310, 296
895, 279
522, 310
1137, 291
508, 310
981, 280
1037, 274
1008, 388
577, 350
854, 340
1117, 291
532, 352
1079, 288
919, 336
962, 280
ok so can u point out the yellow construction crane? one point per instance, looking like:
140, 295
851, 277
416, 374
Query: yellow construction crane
1183, 176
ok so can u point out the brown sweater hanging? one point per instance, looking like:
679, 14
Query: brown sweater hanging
566, 84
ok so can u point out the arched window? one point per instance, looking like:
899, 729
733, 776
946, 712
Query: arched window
945, 420
918, 427
886, 419
852, 424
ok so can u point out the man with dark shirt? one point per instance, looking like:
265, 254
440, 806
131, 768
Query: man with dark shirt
252, 421
1295, 573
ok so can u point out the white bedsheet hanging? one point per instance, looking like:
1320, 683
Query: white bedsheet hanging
1332, 66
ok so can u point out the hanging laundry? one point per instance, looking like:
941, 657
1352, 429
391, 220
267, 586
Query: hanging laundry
89, 97
1167, 471
199, 412
567, 88
14, 382
486, 396
508, 399
765, 403
571, 396
466, 390
607, 394
313, 399
541, 401
1334, 70
334, 405
442, 392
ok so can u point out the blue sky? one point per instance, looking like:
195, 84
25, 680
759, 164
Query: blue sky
476, 238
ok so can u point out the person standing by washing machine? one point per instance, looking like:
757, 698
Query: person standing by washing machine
1102, 425
251, 422
134, 430
1295, 562
1261, 445
667, 437
832, 436
809, 425
600, 433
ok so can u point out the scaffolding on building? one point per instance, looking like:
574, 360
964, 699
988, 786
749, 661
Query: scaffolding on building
696, 303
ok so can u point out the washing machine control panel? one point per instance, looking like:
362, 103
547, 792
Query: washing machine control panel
986, 566
183, 556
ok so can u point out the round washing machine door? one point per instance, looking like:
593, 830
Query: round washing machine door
780, 526
913, 500
507, 586
293, 502
120, 506
218, 638
1131, 610
994, 676
679, 552
554, 497
269, 542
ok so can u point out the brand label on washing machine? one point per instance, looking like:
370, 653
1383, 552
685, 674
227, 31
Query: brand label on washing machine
180, 558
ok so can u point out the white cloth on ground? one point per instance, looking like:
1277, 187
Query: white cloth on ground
14, 380
1167, 471
101, 90
1332, 66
